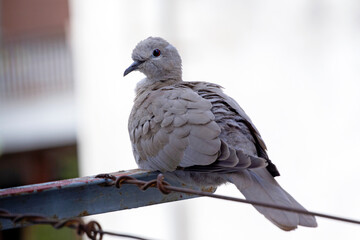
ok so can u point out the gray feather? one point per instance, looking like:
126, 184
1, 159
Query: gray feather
196, 127
258, 185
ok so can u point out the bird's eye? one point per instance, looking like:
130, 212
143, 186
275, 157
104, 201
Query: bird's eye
156, 53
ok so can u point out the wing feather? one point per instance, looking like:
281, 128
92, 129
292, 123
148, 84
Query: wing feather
180, 126
179, 130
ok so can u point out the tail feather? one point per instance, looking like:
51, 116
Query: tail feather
259, 185
304, 220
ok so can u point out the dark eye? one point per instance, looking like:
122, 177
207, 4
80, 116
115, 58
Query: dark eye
156, 53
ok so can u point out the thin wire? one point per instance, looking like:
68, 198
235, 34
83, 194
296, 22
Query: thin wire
166, 188
92, 229
122, 235
261, 204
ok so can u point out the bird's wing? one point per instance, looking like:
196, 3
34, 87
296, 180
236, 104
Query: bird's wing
173, 127
216, 95
176, 127
238, 130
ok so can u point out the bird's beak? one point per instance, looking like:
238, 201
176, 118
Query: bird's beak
134, 66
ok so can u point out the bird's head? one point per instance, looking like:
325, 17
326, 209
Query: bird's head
157, 59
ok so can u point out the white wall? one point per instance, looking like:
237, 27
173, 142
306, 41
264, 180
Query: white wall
294, 68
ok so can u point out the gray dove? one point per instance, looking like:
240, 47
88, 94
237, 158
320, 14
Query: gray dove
195, 132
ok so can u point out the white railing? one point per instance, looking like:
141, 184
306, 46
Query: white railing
32, 67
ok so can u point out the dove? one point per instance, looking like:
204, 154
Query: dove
196, 133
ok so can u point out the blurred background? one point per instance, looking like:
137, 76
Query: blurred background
294, 66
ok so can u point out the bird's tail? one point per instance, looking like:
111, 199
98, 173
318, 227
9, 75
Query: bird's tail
259, 185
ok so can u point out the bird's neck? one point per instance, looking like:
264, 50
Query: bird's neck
147, 85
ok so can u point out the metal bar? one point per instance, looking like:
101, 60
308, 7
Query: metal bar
81, 197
